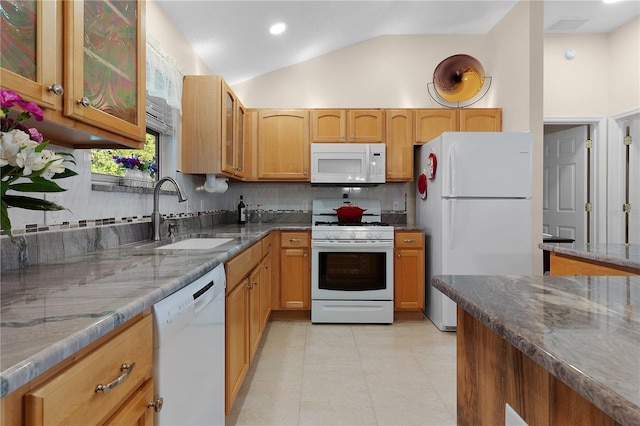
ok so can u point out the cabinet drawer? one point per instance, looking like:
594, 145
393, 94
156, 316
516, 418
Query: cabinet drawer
71, 396
267, 244
409, 240
294, 239
241, 265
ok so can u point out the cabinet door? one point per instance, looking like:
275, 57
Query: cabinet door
366, 125
431, 122
105, 76
295, 285
481, 120
228, 126
239, 143
283, 145
136, 411
255, 313
237, 353
265, 289
31, 48
201, 115
409, 271
329, 125
399, 141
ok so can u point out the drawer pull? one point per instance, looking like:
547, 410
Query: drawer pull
408, 240
295, 240
157, 404
127, 371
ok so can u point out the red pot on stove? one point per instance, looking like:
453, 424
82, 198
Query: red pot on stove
349, 214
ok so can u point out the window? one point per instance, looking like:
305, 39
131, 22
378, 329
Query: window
103, 161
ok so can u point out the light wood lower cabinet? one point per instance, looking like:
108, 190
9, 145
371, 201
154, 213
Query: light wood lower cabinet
248, 305
295, 275
67, 394
561, 264
408, 271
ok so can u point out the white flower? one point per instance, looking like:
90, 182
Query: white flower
30, 160
10, 144
55, 166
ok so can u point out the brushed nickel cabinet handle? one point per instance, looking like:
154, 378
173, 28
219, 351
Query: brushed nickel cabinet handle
56, 88
157, 404
295, 240
84, 101
407, 240
127, 371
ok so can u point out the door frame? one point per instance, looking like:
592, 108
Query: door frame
598, 179
616, 190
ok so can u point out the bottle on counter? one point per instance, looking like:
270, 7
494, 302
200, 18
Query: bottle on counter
242, 212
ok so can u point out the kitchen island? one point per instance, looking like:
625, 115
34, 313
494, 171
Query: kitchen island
593, 259
557, 350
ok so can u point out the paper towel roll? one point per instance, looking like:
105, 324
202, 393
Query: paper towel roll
216, 184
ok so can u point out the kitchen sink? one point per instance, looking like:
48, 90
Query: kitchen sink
196, 244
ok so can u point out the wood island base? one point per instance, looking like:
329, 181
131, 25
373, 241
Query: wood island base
491, 373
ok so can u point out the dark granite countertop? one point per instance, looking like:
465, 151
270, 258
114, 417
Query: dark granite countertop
614, 254
583, 330
51, 310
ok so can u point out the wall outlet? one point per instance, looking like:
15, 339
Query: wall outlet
396, 205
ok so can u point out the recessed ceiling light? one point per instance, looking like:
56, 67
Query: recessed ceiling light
278, 28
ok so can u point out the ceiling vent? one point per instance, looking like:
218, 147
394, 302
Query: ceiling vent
566, 24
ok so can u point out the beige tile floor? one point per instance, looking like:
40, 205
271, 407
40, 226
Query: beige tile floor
321, 374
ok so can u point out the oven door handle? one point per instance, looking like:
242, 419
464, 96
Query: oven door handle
352, 245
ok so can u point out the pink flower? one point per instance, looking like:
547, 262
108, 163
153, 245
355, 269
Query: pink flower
8, 99
32, 109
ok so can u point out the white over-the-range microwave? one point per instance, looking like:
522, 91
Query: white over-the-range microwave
349, 164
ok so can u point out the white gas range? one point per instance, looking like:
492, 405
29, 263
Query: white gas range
351, 265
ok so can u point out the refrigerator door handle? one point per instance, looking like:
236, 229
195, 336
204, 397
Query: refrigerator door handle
452, 172
452, 215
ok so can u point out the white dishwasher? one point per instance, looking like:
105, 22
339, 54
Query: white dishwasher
189, 353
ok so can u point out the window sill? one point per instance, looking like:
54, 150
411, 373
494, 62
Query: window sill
105, 183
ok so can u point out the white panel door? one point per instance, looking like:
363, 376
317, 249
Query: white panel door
565, 187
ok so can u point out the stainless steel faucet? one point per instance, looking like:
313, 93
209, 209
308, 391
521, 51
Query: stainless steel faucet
155, 216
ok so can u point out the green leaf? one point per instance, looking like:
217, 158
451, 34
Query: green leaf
39, 184
65, 174
30, 203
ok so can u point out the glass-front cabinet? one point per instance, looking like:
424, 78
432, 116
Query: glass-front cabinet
81, 61
106, 76
30, 42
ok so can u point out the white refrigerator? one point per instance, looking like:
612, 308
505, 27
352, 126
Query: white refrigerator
474, 202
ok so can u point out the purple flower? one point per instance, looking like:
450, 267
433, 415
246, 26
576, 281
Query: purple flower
36, 135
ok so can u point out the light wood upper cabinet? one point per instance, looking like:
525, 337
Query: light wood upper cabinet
91, 87
399, 141
283, 145
34, 30
481, 120
106, 77
232, 136
336, 125
431, 122
213, 128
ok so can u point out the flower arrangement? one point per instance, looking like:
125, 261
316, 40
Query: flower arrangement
134, 163
25, 164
